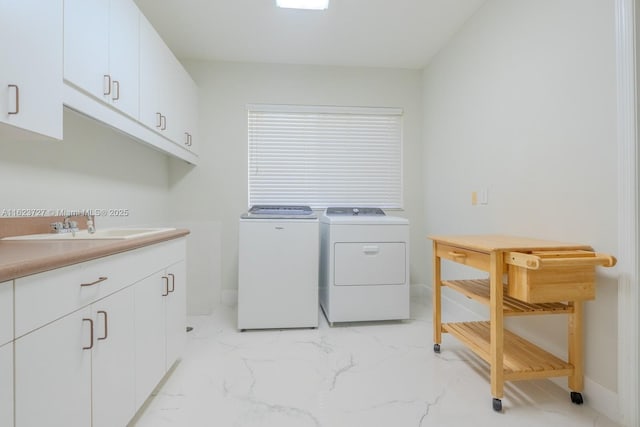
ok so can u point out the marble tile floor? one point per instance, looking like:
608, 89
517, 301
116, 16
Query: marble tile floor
378, 374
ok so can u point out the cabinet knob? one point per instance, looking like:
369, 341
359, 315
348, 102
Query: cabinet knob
116, 89
106, 85
100, 279
165, 292
106, 325
173, 282
457, 254
17, 98
90, 346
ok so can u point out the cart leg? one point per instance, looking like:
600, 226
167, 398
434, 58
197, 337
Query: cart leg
437, 305
496, 327
576, 349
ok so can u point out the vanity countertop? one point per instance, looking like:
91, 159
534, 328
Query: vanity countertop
23, 258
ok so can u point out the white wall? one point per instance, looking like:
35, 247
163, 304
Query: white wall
93, 167
522, 102
211, 197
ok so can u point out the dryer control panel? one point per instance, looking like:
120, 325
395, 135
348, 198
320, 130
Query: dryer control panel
355, 211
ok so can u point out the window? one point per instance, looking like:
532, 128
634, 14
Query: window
325, 156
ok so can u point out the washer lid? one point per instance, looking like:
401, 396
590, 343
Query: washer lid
279, 211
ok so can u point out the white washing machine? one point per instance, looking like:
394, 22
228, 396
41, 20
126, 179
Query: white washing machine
364, 265
278, 268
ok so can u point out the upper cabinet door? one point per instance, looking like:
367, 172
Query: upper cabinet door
31, 70
155, 64
101, 50
86, 45
188, 111
124, 58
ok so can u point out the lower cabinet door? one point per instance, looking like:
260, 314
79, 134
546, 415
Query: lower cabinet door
6, 385
113, 376
150, 334
53, 374
176, 312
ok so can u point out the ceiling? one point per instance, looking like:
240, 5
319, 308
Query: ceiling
365, 33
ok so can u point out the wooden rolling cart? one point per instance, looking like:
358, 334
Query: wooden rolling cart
544, 277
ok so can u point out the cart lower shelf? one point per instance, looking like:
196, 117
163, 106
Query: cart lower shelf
522, 359
478, 290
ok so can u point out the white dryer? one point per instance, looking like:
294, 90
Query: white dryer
364, 265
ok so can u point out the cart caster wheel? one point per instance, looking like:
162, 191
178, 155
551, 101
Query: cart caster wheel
497, 405
436, 348
576, 398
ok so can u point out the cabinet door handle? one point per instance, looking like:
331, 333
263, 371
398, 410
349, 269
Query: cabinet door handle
190, 140
163, 120
106, 85
186, 141
116, 89
457, 254
173, 282
106, 327
91, 336
17, 110
165, 292
159, 116
371, 249
100, 279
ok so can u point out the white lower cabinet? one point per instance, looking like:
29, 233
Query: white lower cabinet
113, 360
160, 326
95, 366
78, 371
6, 385
150, 335
176, 312
53, 374
6, 354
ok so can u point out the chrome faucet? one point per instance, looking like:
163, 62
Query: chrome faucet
91, 228
68, 226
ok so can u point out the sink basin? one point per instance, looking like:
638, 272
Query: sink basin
102, 234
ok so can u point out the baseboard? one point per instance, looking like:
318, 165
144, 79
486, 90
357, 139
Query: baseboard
229, 297
420, 291
595, 395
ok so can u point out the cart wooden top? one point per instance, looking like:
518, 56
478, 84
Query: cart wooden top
496, 242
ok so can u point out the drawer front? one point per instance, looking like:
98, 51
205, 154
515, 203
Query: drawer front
6, 312
370, 263
45, 297
479, 260
575, 283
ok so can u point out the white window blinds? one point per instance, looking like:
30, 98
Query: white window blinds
325, 156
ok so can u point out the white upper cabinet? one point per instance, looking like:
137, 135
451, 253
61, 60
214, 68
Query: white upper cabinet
86, 44
188, 111
168, 95
31, 69
101, 53
155, 63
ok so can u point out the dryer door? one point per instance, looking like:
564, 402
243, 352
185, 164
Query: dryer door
370, 263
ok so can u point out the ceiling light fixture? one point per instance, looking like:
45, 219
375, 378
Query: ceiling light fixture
304, 4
